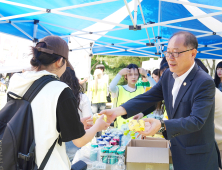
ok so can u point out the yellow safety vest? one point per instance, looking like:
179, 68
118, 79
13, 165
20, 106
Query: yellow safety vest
122, 98
100, 97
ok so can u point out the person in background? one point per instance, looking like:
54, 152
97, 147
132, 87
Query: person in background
163, 61
155, 75
146, 81
122, 94
83, 104
99, 92
218, 76
163, 68
105, 76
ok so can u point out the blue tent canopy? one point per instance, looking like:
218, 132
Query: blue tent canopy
142, 30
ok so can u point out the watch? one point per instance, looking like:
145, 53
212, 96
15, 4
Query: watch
162, 126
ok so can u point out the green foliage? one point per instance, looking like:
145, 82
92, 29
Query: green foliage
113, 64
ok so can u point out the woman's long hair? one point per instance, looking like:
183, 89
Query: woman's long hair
216, 78
69, 77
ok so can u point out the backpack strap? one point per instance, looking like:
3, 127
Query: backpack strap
47, 156
37, 86
29, 96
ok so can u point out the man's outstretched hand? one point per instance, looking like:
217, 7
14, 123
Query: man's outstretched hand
113, 113
152, 126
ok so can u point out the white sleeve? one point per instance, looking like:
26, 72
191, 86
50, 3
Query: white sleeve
151, 81
85, 106
113, 86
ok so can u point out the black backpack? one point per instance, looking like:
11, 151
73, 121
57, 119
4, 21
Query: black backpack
17, 144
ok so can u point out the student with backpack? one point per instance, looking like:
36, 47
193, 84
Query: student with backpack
54, 109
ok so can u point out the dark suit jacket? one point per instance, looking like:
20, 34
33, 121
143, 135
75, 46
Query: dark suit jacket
190, 127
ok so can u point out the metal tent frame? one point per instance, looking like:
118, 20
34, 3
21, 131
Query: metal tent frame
144, 44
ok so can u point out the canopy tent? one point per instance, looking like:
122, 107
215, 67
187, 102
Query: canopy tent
116, 27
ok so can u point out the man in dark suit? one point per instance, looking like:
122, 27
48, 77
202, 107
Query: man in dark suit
188, 93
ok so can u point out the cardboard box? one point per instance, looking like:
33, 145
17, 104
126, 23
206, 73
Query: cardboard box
162, 139
147, 155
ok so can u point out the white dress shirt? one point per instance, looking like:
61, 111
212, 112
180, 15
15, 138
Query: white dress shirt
178, 82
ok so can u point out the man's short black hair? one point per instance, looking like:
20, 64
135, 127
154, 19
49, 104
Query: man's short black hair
190, 39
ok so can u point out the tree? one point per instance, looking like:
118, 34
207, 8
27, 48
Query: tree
113, 64
211, 67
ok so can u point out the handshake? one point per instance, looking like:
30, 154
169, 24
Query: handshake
151, 126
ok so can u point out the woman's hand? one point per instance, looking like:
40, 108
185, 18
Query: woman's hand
87, 122
101, 124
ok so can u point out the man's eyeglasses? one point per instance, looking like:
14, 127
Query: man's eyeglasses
174, 54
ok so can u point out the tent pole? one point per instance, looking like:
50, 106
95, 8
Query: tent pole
80, 45
187, 29
194, 4
102, 53
131, 17
7, 21
213, 54
82, 48
159, 13
45, 29
128, 49
211, 50
22, 31
89, 19
101, 31
22, 21
131, 41
136, 40
83, 5
209, 34
135, 11
35, 30
215, 44
182, 19
22, 5
144, 21
22, 15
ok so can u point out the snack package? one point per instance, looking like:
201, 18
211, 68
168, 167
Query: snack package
137, 125
96, 116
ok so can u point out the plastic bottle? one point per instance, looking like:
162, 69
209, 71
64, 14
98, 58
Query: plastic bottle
126, 138
93, 152
116, 138
133, 135
124, 127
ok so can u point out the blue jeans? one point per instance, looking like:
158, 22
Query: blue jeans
71, 150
